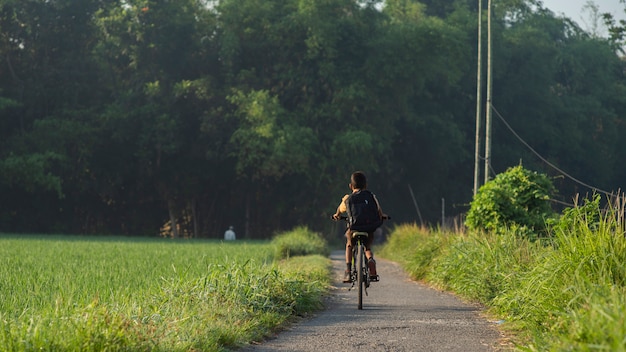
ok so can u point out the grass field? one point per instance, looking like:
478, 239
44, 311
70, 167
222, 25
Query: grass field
64, 293
564, 293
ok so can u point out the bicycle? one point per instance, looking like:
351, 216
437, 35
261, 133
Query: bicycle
360, 275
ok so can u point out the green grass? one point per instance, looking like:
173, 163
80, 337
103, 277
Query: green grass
566, 293
65, 293
299, 242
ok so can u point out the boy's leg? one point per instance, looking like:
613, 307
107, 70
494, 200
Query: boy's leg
370, 257
348, 247
368, 246
346, 277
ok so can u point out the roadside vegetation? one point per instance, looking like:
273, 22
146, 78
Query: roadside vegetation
70, 293
561, 291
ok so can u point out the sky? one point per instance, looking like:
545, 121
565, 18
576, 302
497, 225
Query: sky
574, 9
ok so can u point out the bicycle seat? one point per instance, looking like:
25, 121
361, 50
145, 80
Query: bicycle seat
359, 233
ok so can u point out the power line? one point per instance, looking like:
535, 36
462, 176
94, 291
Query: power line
493, 171
544, 159
562, 202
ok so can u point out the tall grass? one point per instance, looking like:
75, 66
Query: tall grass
85, 294
415, 248
573, 298
564, 294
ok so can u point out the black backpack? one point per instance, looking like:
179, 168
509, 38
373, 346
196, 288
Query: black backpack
363, 212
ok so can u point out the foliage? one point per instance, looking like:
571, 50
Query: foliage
566, 293
29, 172
299, 242
117, 294
516, 198
263, 145
617, 30
120, 116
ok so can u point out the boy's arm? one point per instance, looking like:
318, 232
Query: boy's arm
380, 210
342, 208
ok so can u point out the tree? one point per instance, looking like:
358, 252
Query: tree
552, 74
162, 64
417, 71
48, 76
617, 31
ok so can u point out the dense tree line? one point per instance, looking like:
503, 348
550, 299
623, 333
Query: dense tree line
119, 116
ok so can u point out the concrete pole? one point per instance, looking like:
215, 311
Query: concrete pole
479, 103
489, 90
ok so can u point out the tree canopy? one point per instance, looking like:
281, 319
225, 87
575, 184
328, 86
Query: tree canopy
119, 116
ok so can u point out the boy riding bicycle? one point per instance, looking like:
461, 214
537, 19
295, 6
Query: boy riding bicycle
362, 216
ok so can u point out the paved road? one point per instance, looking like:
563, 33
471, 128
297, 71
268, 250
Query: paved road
398, 315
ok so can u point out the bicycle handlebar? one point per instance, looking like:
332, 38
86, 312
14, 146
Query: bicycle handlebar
343, 217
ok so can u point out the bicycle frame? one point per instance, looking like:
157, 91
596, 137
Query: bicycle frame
360, 270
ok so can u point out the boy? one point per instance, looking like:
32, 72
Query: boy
358, 184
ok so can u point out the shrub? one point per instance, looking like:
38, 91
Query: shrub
299, 241
517, 198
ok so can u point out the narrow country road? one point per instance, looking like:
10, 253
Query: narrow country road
398, 315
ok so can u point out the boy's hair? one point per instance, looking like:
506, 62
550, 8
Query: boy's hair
358, 180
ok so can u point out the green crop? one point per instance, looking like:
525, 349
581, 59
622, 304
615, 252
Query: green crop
67, 293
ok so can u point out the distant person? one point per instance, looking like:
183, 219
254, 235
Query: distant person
229, 235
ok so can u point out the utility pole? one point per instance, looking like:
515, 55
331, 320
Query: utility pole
489, 90
479, 103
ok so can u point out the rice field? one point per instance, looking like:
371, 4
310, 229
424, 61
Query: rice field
71, 293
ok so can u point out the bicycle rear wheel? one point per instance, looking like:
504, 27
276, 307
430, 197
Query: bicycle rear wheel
360, 266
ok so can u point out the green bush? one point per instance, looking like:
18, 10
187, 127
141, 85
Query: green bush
516, 198
299, 241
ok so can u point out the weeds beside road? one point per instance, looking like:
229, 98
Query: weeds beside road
565, 292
